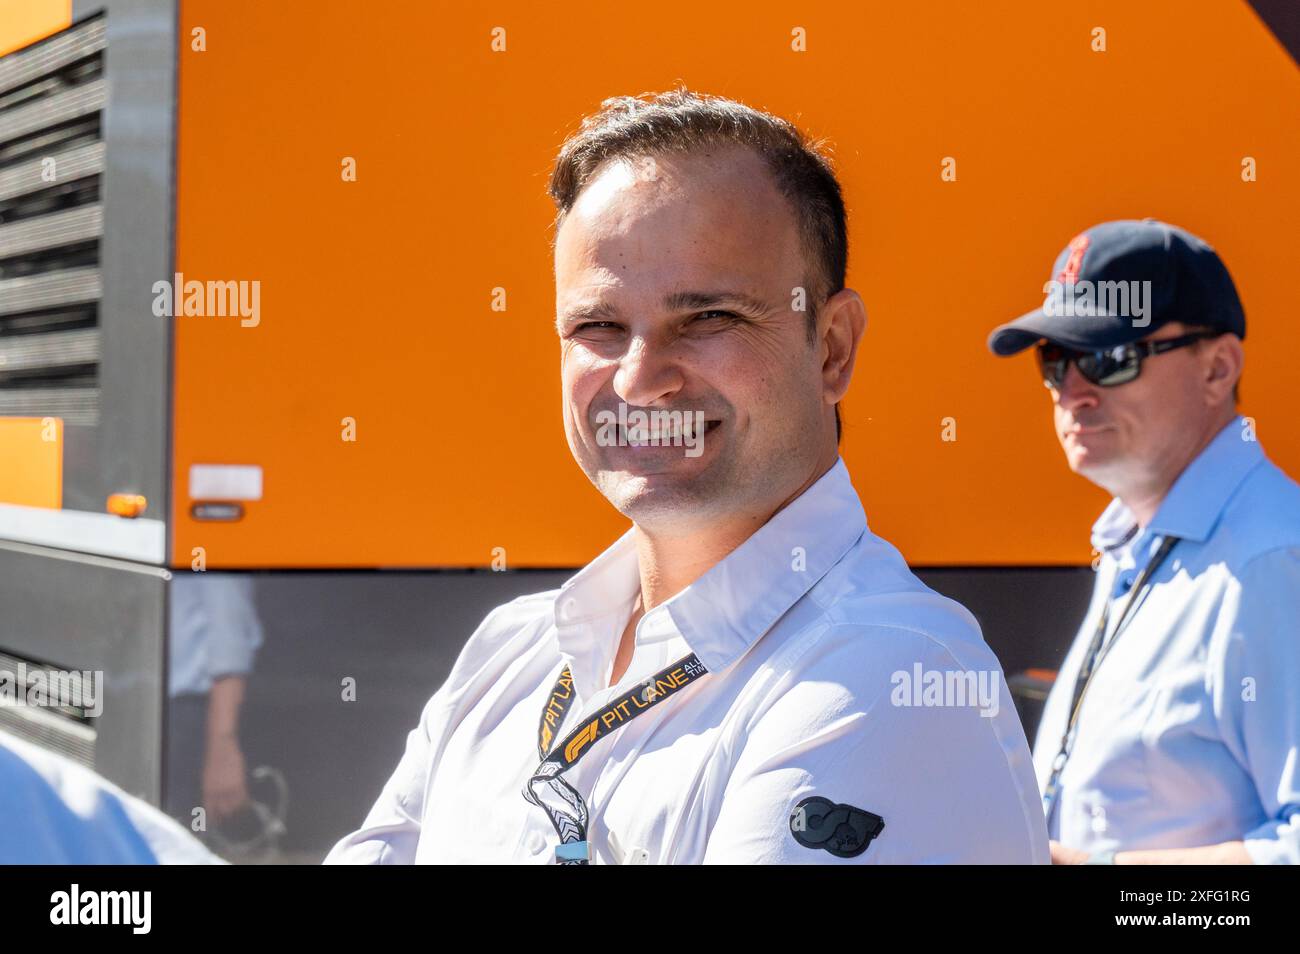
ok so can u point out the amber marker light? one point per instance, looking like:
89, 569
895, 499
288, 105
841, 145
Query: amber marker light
126, 505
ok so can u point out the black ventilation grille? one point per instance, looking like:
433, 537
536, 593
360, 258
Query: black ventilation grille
51, 225
66, 729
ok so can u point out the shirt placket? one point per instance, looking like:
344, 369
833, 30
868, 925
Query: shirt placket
650, 659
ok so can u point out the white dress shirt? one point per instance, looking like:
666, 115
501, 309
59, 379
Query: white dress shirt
810, 631
1190, 732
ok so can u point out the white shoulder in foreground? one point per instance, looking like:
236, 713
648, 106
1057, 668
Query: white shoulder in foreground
70, 815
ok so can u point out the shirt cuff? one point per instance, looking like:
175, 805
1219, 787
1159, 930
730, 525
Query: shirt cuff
1275, 842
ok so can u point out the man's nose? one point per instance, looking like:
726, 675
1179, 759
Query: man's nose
648, 372
1076, 391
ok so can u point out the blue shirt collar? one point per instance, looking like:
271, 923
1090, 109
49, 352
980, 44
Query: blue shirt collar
1192, 508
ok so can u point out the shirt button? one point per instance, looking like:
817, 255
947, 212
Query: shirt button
534, 842
1098, 820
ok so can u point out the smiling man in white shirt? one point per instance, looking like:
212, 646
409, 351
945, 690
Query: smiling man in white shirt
749, 674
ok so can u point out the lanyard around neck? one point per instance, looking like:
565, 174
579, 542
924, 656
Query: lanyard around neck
546, 788
1091, 661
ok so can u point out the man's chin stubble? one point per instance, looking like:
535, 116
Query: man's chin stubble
653, 506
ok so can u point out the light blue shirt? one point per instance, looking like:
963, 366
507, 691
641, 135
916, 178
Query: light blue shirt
215, 630
1190, 732
56, 812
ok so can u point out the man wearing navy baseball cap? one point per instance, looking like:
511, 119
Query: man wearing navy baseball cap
1172, 734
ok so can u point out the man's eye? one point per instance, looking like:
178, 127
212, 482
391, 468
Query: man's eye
595, 326
715, 315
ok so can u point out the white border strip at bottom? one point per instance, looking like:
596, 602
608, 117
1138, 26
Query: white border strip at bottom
134, 538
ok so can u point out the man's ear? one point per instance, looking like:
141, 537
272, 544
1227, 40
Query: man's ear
840, 327
1224, 359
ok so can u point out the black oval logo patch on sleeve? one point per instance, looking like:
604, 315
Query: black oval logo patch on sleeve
842, 830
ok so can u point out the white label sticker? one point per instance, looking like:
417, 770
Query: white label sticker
225, 482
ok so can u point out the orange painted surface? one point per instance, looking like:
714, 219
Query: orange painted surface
31, 449
26, 21
375, 300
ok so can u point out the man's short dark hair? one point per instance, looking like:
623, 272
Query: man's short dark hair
681, 122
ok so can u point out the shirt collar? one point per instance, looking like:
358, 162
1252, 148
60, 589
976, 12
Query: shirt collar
732, 605
1115, 527
1197, 498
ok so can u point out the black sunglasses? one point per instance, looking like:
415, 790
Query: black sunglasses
1107, 367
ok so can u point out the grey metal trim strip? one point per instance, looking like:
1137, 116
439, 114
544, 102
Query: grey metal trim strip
138, 188
69, 165
72, 286
87, 559
27, 65
58, 349
50, 231
72, 405
52, 110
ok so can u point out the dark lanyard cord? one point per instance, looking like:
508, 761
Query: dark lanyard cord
1092, 661
567, 810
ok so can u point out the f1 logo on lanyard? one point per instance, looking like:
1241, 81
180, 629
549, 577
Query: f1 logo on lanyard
548, 789
1091, 661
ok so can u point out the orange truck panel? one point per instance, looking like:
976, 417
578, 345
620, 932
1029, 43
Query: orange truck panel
376, 295
23, 22
32, 451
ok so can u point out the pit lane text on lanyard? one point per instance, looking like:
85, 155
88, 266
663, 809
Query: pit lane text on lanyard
569, 815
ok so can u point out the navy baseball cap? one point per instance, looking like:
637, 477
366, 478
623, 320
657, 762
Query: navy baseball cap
1119, 281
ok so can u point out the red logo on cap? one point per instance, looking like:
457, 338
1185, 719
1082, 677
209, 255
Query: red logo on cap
1070, 274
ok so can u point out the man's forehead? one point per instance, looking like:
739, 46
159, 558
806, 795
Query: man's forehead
639, 199
619, 179
634, 236
672, 173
